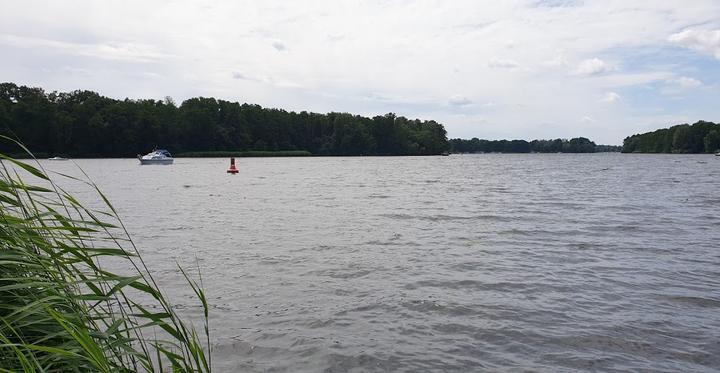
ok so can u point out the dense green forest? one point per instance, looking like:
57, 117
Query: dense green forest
701, 137
576, 145
86, 124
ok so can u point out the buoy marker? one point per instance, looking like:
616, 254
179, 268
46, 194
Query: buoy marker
232, 169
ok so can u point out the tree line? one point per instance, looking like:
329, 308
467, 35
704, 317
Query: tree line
575, 145
85, 124
701, 137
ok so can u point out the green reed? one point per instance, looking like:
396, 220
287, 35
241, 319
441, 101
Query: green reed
61, 308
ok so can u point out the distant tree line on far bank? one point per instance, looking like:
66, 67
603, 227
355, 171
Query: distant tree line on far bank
575, 145
86, 124
701, 137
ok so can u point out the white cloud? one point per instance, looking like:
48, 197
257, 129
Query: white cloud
617, 80
322, 56
279, 46
459, 100
593, 66
558, 61
611, 97
121, 51
685, 82
503, 63
703, 41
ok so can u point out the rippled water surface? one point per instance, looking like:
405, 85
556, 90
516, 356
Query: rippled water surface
463, 263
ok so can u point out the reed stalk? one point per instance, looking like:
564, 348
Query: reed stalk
62, 309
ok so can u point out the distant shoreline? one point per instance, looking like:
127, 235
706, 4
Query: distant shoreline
574, 145
281, 155
245, 154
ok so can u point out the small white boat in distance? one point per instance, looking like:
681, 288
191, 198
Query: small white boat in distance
56, 158
158, 156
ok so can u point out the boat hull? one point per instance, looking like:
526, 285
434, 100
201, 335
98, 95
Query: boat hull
155, 161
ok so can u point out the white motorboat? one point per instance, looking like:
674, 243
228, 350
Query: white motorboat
57, 159
157, 156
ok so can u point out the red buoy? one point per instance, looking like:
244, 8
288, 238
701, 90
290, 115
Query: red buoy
232, 169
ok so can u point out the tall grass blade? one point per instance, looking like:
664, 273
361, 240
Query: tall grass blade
61, 307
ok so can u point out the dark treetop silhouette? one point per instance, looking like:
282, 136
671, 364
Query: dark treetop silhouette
86, 124
701, 137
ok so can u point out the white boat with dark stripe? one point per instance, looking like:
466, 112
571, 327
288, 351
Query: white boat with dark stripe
157, 156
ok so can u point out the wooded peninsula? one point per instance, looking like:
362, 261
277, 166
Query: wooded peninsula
86, 124
701, 137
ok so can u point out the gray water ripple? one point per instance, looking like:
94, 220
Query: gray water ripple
491, 262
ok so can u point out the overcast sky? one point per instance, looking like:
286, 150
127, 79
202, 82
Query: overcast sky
490, 69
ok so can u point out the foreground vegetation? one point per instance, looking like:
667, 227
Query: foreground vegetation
701, 137
61, 308
576, 145
86, 124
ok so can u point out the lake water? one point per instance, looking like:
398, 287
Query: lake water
489, 262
